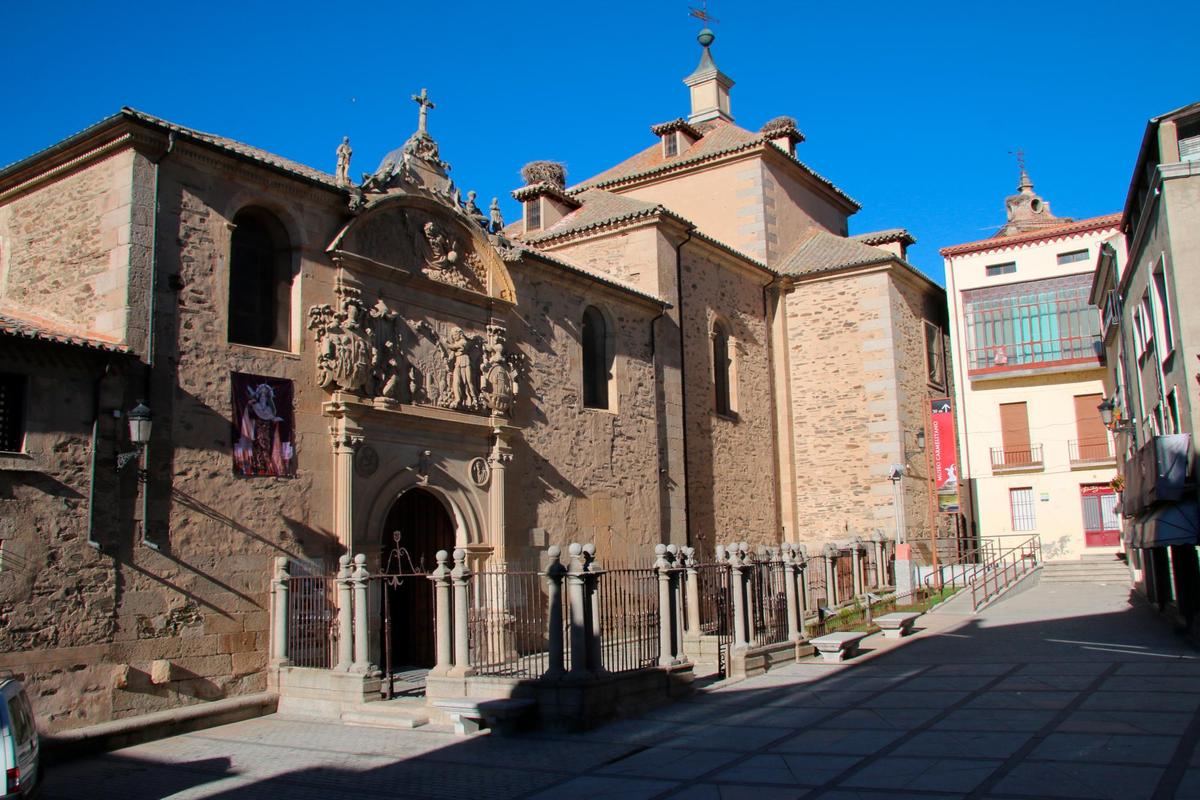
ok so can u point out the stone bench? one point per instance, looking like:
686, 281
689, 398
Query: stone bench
835, 647
469, 716
897, 623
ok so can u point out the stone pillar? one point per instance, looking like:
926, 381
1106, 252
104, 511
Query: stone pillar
677, 572
345, 595
750, 578
831, 587
856, 554
790, 572
591, 594
906, 581
666, 639
737, 580
554, 635
498, 462
806, 600
443, 636
692, 576
577, 608
460, 576
362, 659
279, 613
347, 437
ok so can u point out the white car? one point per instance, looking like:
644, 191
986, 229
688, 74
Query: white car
18, 743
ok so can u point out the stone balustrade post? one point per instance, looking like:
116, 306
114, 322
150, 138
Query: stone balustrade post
831, 587
345, 595
677, 576
460, 576
593, 572
577, 608
362, 659
856, 554
279, 613
737, 579
790, 572
692, 576
666, 638
444, 635
554, 636
751, 582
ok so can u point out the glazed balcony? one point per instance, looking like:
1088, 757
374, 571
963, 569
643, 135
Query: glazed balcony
1008, 459
1091, 453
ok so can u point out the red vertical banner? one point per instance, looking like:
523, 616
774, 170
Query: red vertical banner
945, 454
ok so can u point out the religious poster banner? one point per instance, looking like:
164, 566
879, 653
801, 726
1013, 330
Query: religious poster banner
263, 426
945, 454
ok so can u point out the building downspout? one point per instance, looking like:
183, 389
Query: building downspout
150, 312
687, 506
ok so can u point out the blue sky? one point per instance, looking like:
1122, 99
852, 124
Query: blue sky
912, 109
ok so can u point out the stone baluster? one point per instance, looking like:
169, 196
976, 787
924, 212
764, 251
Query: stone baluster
692, 576
790, 572
805, 596
345, 595
737, 578
831, 587
554, 636
461, 576
857, 568
279, 613
677, 572
577, 608
666, 640
362, 661
591, 593
444, 631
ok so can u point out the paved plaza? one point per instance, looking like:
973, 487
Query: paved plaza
1057, 691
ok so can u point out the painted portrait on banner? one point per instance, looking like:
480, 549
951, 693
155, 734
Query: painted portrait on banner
263, 426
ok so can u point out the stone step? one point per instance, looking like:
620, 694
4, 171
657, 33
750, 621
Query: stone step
1087, 570
1123, 578
388, 714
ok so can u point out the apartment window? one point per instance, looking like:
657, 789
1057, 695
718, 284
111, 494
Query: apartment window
1159, 279
1091, 443
1023, 325
597, 359
1143, 326
1024, 516
533, 214
671, 144
1017, 451
1172, 419
260, 281
12, 412
935, 356
1072, 257
1189, 140
1000, 269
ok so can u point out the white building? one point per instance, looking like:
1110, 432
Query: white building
1028, 368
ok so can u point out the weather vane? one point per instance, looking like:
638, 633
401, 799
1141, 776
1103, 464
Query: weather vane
702, 13
1020, 154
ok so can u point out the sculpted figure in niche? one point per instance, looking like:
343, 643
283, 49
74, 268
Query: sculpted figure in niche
499, 379
345, 353
390, 367
461, 372
444, 249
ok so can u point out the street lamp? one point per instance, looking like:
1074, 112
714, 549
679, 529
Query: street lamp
140, 424
1111, 417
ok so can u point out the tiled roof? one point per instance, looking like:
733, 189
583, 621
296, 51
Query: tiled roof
599, 209
1057, 232
823, 251
884, 236
46, 331
599, 277
721, 139
231, 146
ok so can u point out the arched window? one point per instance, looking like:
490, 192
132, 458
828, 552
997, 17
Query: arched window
721, 371
597, 359
260, 281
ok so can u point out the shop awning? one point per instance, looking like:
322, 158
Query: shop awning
1178, 523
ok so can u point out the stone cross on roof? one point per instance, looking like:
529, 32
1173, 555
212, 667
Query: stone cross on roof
425, 103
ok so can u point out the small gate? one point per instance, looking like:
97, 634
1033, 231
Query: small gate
406, 612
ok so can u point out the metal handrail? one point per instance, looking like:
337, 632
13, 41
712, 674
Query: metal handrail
996, 575
974, 558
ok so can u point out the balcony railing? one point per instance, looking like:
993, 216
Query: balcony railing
1047, 353
1090, 451
1007, 458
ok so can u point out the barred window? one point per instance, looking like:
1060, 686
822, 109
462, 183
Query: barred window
1072, 257
1024, 517
260, 281
12, 412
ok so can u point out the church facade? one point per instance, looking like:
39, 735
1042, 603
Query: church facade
688, 348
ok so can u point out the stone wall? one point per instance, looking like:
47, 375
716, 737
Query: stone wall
65, 246
731, 463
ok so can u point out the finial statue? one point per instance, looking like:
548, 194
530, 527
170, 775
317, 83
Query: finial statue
342, 175
497, 218
426, 104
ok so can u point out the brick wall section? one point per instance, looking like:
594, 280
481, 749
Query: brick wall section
721, 509
68, 248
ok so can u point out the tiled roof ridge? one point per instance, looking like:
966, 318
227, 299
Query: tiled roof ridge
677, 124
43, 330
550, 234
1055, 232
873, 238
532, 190
758, 140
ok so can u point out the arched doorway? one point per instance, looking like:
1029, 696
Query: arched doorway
417, 526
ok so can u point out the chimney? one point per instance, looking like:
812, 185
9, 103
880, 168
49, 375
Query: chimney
543, 198
783, 133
